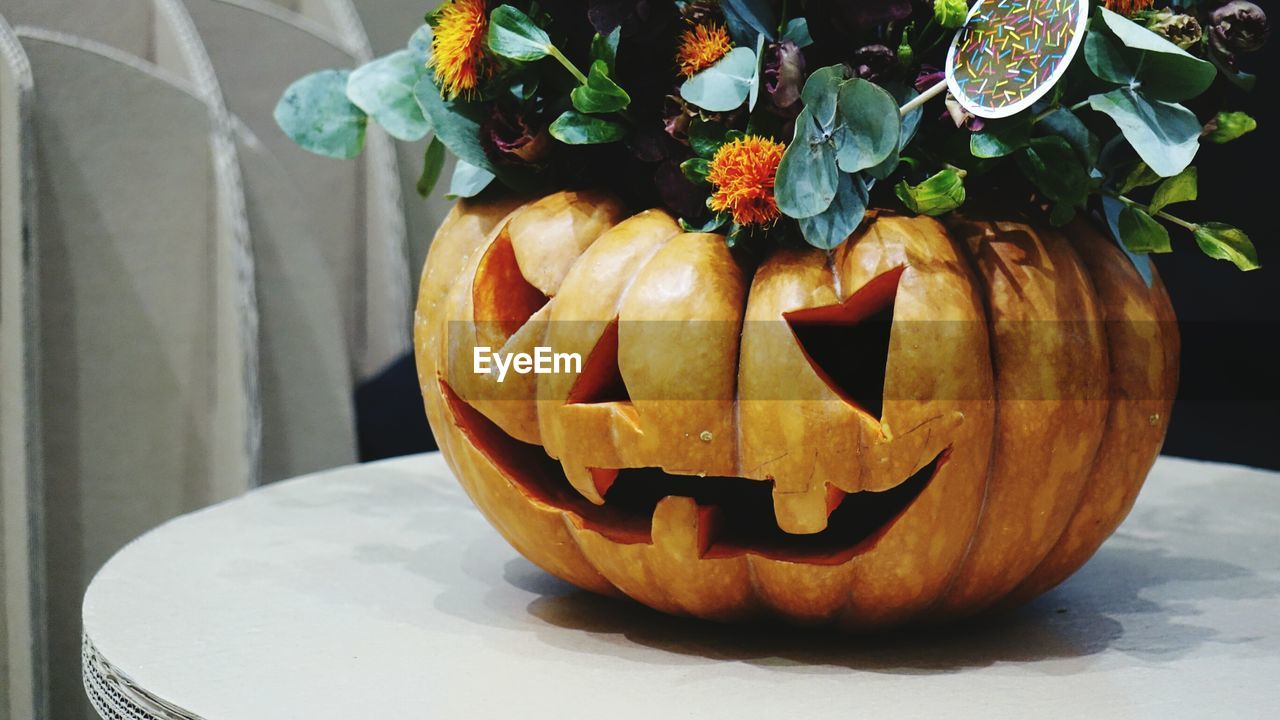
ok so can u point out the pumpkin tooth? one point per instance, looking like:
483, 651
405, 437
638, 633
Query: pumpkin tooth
683, 527
591, 483
806, 512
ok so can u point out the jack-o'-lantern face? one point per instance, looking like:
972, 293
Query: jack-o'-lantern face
815, 437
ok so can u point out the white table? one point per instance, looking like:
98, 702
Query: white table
379, 592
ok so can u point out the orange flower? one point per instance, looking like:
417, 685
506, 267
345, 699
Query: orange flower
1127, 7
459, 54
742, 173
701, 47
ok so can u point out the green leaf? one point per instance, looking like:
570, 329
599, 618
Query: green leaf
514, 35
1111, 209
316, 114
1179, 188
1166, 136
821, 93
807, 177
797, 33
1065, 124
938, 195
696, 169
1001, 137
456, 123
1227, 243
1163, 70
432, 164
1054, 168
951, 14
706, 137
1140, 176
723, 86
834, 225
468, 181
600, 94
1227, 126
605, 48
420, 46
384, 90
1141, 233
870, 125
1107, 59
753, 90
716, 221
575, 128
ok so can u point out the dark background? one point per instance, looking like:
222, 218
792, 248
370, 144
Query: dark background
1228, 405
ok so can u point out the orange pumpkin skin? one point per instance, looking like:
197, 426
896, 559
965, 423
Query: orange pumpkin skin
1026, 394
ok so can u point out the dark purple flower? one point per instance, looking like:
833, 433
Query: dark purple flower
680, 195
872, 62
510, 138
784, 68
1238, 27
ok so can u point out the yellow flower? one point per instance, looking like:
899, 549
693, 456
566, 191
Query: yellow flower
459, 54
1127, 7
701, 47
742, 173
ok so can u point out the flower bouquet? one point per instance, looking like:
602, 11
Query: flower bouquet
860, 290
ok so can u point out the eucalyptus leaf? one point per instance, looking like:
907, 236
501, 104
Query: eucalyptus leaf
420, 46
601, 94
834, 225
723, 86
938, 195
753, 93
468, 181
1179, 188
575, 128
432, 165
317, 115
1141, 233
605, 47
1224, 242
872, 125
456, 123
714, 223
384, 89
1166, 136
807, 178
754, 14
797, 32
821, 93
1107, 59
1163, 70
514, 35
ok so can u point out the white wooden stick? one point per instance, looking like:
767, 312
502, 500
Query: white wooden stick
923, 97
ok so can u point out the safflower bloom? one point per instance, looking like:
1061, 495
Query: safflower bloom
459, 55
743, 173
701, 47
1127, 7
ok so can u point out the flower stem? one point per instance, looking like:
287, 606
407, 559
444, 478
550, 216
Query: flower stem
1185, 225
554, 52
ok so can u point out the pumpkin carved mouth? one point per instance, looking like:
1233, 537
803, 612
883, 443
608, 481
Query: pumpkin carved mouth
734, 515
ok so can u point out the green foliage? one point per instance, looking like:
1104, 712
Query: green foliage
604, 48
1054, 168
432, 165
456, 123
1001, 137
1179, 188
384, 89
600, 94
1123, 52
317, 115
869, 125
1140, 233
575, 128
696, 170
1228, 126
706, 137
807, 177
950, 14
797, 33
1224, 242
1165, 135
938, 195
514, 35
832, 226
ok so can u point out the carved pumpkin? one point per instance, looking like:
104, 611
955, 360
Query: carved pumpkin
922, 424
